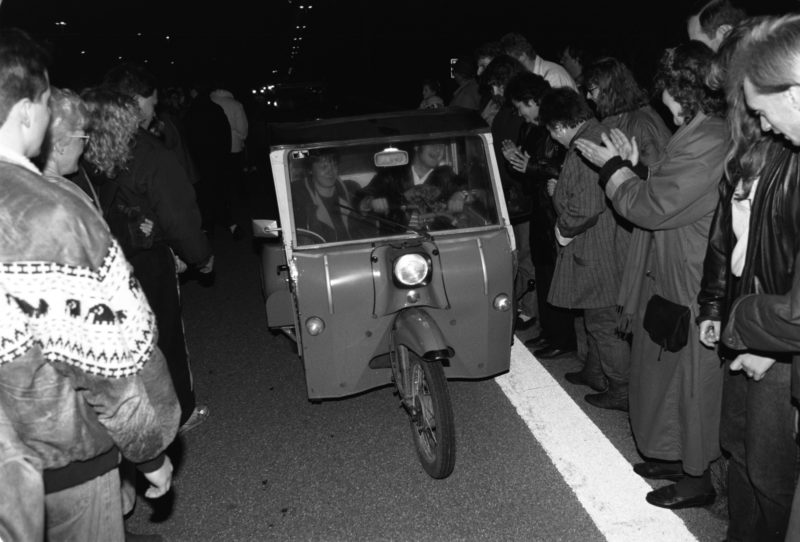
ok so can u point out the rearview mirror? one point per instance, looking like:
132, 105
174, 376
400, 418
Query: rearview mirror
390, 157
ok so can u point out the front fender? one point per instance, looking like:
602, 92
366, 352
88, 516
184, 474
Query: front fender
415, 329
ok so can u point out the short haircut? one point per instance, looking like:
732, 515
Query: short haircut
716, 13
526, 87
563, 107
516, 44
131, 79
683, 72
501, 70
618, 91
23, 70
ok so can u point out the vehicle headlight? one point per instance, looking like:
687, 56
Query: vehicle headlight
411, 269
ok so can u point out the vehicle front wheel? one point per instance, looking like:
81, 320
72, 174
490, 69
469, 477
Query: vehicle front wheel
432, 425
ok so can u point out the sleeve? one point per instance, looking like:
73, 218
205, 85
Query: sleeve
713, 285
175, 204
679, 193
140, 411
766, 322
21, 488
580, 208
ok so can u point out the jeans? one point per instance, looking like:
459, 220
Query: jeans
89, 511
757, 431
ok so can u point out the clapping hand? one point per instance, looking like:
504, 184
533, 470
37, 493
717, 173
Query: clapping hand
614, 144
517, 157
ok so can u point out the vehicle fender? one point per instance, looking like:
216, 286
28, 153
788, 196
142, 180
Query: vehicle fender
420, 333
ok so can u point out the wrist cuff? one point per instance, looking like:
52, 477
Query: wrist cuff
609, 168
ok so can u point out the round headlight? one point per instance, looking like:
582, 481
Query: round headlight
411, 269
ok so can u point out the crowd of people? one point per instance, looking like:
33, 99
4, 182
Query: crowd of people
105, 200
665, 258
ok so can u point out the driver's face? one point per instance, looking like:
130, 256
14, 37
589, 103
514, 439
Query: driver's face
431, 155
324, 172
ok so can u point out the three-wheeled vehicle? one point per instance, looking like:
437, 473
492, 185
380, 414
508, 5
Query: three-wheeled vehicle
392, 261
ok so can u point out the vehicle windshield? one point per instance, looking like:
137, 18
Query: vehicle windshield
352, 192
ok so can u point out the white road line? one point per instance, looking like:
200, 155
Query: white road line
600, 476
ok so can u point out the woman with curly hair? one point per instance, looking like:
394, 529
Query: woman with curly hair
676, 386
150, 208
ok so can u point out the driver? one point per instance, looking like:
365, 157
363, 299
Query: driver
424, 185
321, 199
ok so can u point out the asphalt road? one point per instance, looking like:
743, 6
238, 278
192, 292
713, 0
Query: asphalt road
270, 465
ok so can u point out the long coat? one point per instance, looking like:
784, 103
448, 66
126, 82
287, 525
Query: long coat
675, 397
588, 269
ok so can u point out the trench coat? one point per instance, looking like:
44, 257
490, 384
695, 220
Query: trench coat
675, 397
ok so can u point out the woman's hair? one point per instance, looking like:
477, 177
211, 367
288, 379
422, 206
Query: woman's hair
618, 91
682, 72
114, 121
527, 86
68, 114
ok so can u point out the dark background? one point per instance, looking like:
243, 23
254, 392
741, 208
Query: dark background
363, 55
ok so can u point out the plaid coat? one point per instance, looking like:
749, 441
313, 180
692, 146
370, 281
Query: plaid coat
589, 268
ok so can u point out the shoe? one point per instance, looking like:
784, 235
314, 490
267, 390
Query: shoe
199, 415
668, 497
524, 325
580, 378
608, 401
552, 352
660, 470
537, 342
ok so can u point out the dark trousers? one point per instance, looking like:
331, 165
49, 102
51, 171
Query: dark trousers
558, 324
607, 345
155, 270
757, 431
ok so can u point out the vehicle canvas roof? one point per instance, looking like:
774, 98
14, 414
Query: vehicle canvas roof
395, 124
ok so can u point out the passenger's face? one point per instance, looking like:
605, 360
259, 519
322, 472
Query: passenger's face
324, 172
778, 112
431, 155
148, 108
527, 110
674, 107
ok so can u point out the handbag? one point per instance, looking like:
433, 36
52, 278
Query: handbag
667, 323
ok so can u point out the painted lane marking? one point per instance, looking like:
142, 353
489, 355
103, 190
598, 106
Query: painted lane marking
600, 476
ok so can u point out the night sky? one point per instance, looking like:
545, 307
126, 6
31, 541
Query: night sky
367, 54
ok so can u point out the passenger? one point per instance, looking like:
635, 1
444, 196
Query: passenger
399, 191
322, 201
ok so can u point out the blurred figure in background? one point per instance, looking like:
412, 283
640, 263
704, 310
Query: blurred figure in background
430, 95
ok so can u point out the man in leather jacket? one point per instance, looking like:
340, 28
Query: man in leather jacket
81, 379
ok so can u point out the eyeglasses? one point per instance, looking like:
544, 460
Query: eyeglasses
80, 136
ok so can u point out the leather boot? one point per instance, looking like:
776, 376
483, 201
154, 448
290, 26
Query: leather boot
614, 398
